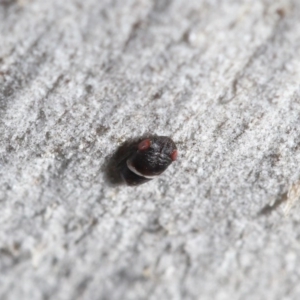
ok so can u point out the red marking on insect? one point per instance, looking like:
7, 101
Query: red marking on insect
144, 145
174, 155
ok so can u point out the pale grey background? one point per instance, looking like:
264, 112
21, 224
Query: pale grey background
78, 78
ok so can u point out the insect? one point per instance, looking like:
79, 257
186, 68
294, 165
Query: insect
148, 159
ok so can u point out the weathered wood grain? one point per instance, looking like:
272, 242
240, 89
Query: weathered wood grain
78, 78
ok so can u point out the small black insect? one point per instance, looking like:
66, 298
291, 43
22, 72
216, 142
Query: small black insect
148, 159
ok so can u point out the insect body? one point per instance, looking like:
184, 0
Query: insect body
149, 158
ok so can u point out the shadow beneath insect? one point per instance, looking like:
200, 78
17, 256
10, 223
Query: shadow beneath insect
113, 163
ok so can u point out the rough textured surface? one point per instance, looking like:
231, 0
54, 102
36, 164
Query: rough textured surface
78, 78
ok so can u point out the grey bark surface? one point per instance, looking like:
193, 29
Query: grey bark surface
78, 78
